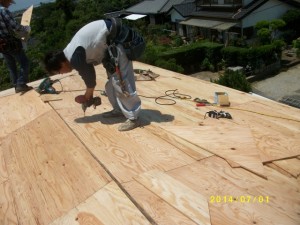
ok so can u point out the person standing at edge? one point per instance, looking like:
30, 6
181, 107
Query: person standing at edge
9, 26
89, 47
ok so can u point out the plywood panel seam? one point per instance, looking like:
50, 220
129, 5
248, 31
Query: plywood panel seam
278, 169
172, 143
183, 166
196, 211
148, 217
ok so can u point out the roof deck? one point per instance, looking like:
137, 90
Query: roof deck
59, 167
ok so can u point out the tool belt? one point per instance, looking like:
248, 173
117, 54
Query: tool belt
111, 64
133, 43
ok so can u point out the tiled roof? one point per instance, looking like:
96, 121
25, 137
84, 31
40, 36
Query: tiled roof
155, 6
256, 4
185, 8
169, 5
249, 8
212, 14
148, 7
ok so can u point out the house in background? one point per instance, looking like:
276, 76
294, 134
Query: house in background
156, 10
221, 20
217, 20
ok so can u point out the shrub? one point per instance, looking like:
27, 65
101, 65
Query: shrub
296, 44
169, 64
234, 79
206, 65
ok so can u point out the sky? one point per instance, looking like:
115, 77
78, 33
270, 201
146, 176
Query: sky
24, 4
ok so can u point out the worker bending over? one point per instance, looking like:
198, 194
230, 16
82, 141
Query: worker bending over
91, 46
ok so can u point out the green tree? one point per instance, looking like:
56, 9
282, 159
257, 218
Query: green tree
67, 6
264, 35
234, 79
292, 29
267, 31
275, 26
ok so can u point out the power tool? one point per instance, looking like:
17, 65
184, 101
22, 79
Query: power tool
45, 86
95, 101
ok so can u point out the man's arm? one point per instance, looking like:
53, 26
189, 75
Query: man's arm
85, 70
12, 23
89, 93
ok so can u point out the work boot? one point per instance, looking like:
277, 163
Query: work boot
129, 125
22, 88
113, 113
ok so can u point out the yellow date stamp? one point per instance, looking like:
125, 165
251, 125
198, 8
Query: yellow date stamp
240, 199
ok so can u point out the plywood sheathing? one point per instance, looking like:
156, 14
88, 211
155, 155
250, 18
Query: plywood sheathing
26, 17
278, 169
3, 170
18, 110
50, 97
109, 205
275, 132
161, 212
124, 154
216, 178
192, 204
187, 147
291, 166
129, 154
275, 145
246, 110
48, 166
230, 142
7, 207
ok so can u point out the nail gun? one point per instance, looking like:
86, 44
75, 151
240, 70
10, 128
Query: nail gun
45, 86
95, 101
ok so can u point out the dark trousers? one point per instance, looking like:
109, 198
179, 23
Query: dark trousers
11, 59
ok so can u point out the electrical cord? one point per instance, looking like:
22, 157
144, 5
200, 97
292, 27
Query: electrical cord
174, 94
177, 95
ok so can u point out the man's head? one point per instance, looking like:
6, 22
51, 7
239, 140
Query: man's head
7, 3
56, 62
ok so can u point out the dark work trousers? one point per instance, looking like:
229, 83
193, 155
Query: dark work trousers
11, 59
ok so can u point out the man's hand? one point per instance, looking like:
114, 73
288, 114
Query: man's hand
89, 93
88, 103
80, 99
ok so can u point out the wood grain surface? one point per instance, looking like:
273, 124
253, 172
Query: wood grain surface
3, 169
47, 165
223, 141
61, 166
107, 206
190, 203
291, 166
159, 210
7, 206
123, 153
18, 110
218, 181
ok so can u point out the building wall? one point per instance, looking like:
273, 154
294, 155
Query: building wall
175, 16
273, 9
152, 19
